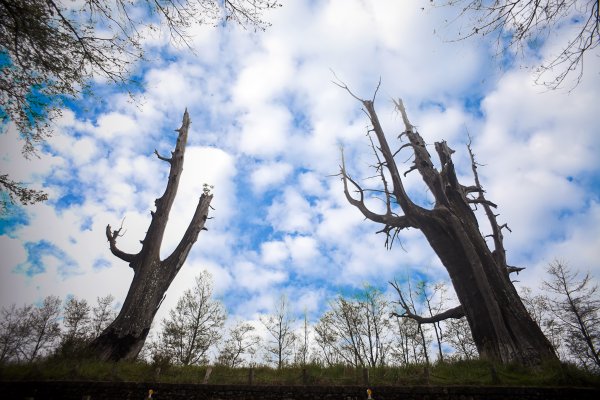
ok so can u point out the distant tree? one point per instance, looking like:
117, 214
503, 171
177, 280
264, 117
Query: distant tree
407, 345
50, 50
102, 314
374, 308
409, 310
434, 296
241, 342
502, 328
340, 324
194, 325
356, 330
14, 330
537, 305
280, 328
76, 319
326, 341
125, 336
577, 307
414, 333
44, 329
302, 351
458, 335
521, 24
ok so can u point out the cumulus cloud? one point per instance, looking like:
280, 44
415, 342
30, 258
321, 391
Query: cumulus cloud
253, 278
303, 249
291, 212
274, 252
269, 175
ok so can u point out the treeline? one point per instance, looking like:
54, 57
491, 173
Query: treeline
367, 329
32, 332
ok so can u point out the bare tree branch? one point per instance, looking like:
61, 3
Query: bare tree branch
517, 24
18, 191
512, 269
456, 312
161, 157
499, 251
191, 234
388, 219
422, 161
112, 239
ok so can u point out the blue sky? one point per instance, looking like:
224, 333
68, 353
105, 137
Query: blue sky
267, 127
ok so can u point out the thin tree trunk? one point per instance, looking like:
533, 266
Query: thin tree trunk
125, 336
424, 341
436, 325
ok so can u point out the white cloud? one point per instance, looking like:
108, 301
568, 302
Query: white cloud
264, 74
114, 124
580, 245
291, 213
264, 130
303, 249
29, 171
256, 279
274, 252
311, 184
535, 146
269, 175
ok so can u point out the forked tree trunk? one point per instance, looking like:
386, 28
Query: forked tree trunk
502, 329
125, 336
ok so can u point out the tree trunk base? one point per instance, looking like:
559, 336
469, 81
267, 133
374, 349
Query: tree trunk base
111, 347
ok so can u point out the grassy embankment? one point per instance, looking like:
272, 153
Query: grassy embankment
451, 373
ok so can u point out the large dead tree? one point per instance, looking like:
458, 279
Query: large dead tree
125, 336
502, 329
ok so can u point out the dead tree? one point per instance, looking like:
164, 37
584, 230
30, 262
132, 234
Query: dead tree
125, 336
501, 326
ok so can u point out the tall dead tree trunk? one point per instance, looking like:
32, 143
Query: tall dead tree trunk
502, 329
125, 336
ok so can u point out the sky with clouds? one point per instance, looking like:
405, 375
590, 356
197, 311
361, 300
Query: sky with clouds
267, 128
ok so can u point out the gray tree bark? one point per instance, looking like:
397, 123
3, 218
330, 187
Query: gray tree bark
125, 336
501, 326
